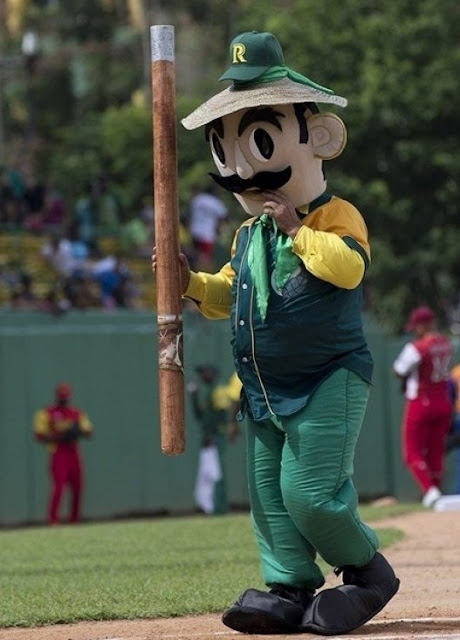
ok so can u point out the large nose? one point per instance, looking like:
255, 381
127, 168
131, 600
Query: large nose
242, 166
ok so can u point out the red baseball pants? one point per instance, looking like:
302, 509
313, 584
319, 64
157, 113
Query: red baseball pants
65, 470
425, 426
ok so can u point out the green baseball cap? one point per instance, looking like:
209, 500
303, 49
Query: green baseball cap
251, 54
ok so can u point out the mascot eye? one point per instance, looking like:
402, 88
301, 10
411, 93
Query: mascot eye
261, 144
217, 148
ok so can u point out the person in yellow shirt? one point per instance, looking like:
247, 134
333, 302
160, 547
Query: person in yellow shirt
215, 406
233, 391
60, 426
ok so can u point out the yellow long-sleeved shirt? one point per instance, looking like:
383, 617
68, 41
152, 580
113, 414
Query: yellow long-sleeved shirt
332, 244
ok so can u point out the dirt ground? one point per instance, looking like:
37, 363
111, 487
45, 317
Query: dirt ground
426, 607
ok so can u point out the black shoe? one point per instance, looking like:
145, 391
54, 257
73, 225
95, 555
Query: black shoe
365, 591
278, 611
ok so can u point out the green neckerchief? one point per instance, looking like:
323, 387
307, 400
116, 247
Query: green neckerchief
278, 72
286, 261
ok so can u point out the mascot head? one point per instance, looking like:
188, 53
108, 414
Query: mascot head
265, 130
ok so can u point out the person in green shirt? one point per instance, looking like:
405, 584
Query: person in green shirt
136, 235
212, 405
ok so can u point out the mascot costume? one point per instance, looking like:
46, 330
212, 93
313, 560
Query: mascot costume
292, 288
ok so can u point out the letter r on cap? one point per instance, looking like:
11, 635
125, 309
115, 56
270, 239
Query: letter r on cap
238, 53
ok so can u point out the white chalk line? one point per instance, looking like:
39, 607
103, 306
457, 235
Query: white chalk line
393, 620
433, 635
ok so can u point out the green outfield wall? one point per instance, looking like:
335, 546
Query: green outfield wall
110, 359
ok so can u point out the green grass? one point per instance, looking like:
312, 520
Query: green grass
136, 569
369, 512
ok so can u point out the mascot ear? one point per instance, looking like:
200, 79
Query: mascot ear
328, 135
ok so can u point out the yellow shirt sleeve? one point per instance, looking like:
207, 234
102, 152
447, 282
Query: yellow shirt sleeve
84, 423
220, 399
234, 388
41, 423
213, 291
333, 244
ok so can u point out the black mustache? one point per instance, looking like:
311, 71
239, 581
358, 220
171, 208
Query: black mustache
265, 180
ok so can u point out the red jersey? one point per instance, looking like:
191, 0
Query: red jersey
426, 363
56, 421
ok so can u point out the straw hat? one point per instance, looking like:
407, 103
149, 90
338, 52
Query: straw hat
259, 77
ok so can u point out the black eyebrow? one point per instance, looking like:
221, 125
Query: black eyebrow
218, 125
260, 115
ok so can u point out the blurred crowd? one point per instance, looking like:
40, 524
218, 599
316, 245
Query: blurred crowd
90, 247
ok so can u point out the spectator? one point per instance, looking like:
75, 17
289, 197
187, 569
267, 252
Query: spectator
423, 365
453, 440
136, 235
127, 294
11, 199
54, 211
23, 296
55, 302
206, 213
185, 238
112, 274
60, 426
46, 210
34, 199
16, 182
211, 405
78, 248
58, 253
85, 218
147, 211
82, 292
107, 209
10, 273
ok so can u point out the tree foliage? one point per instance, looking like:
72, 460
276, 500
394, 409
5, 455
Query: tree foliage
397, 62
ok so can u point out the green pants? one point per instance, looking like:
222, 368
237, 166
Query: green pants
302, 496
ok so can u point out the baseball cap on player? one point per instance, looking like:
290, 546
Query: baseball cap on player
420, 315
63, 390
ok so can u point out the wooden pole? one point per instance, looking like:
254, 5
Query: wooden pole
169, 294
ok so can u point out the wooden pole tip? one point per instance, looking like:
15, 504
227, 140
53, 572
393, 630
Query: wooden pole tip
162, 42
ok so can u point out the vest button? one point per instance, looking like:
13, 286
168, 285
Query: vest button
244, 359
241, 323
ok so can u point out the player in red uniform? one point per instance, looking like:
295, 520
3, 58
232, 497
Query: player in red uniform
61, 426
424, 364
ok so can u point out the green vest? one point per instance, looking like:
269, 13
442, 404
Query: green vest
312, 328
